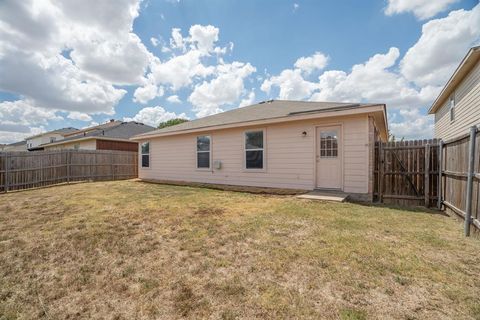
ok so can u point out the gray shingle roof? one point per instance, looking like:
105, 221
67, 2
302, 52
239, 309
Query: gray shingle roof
114, 129
62, 131
261, 111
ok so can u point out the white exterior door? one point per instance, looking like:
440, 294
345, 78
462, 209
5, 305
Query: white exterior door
329, 157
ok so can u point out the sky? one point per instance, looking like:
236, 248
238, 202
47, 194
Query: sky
79, 63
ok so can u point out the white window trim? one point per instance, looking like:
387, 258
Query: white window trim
451, 108
149, 156
209, 151
264, 164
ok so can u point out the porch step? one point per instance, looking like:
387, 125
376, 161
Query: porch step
324, 195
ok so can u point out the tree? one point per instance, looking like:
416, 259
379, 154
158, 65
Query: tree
171, 122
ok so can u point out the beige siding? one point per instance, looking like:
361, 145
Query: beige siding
83, 145
35, 142
467, 108
290, 157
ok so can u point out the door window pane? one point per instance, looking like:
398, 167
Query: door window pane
328, 144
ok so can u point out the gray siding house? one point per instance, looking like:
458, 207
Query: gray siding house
457, 107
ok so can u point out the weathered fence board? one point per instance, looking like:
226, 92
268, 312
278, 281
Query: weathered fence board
406, 172
25, 170
455, 173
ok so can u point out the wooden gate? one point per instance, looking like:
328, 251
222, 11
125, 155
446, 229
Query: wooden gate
406, 172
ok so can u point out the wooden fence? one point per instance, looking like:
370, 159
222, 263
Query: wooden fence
432, 173
460, 184
406, 172
25, 170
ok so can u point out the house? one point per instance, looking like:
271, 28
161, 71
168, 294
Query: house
280, 144
34, 142
15, 147
457, 107
113, 135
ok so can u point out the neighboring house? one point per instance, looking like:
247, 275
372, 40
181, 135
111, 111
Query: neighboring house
113, 135
16, 146
282, 144
34, 143
457, 108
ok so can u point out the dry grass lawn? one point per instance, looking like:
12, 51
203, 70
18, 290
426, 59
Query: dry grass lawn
132, 250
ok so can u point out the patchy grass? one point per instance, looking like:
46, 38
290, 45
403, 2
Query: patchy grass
132, 250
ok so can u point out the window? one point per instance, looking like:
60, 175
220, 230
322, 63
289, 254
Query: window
52, 139
328, 144
254, 149
452, 108
145, 150
76, 146
203, 152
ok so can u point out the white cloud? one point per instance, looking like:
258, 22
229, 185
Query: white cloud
410, 124
154, 115
176, 42
155, 42
422, 9
66, 56
372, 81
56, 83
23, 112
317, 61
180, 71
292, 85
19, 118
208, 97
248, 100
204, 37
75, 115
120, 60
148, 92
174, 99
442, 45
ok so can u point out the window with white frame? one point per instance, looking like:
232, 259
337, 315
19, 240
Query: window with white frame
203, 152
254, 149
452, 108
145, 151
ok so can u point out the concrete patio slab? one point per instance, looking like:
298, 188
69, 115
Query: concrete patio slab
325, 195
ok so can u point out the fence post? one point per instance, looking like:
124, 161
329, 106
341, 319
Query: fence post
113, 167
440, 167
67, 161
380, 171
6, 172
471, 162
427, 175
